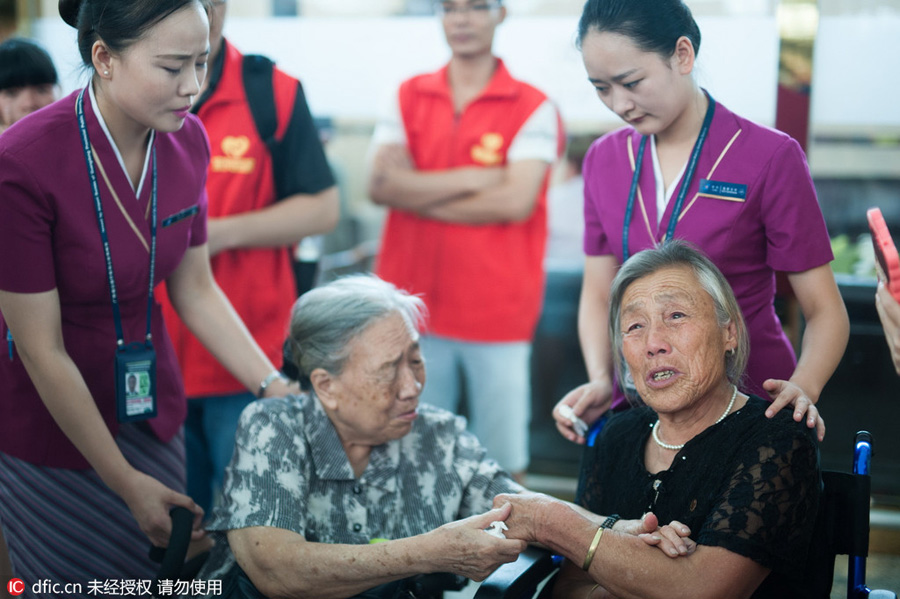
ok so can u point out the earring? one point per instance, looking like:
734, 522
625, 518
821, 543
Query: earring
729, 352
106, 73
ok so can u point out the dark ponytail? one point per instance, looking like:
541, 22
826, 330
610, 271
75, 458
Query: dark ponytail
653, 25
118, 23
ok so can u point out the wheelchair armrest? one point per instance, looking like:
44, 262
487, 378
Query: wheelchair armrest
512, 580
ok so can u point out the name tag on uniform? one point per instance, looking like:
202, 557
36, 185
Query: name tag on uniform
179, 216
135, 383
721, 190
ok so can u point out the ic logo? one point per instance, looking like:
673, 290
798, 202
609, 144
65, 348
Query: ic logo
15, 586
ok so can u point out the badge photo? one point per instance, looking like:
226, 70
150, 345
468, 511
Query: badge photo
135, 383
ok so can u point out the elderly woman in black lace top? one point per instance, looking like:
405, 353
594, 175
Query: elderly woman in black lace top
741, 491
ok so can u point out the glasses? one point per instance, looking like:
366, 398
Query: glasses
446, 8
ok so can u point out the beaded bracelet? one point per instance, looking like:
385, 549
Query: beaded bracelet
610, 521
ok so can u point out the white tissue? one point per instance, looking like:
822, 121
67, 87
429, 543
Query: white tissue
580, 425
496, 529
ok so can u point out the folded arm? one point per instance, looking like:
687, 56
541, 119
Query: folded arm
469, 195
395, 182
513, 200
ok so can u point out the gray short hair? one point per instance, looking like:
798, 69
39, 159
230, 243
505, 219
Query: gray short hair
673, 254
326, 319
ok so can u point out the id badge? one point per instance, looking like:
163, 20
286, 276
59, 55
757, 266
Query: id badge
135, 383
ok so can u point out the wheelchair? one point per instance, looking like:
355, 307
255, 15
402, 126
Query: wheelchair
842, 528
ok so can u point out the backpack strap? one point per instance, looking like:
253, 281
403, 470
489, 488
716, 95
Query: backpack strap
257, 76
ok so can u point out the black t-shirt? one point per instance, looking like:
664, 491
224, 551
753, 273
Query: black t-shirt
748, 484
302, 166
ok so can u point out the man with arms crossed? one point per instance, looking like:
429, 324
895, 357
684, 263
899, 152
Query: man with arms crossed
463, 163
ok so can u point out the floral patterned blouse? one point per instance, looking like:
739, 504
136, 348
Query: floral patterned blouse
290, 471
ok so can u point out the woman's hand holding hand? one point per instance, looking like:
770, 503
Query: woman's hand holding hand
529, 514
464, 547
889, 313
150, 502
589, 402
673, 539
785, 393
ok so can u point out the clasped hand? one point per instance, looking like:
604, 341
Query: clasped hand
466, 549
531, 511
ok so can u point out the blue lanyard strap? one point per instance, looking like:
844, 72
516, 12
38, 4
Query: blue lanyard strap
98, 207
685, 181
631, 194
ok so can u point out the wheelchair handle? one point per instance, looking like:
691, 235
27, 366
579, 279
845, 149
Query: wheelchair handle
172, 557
862, 452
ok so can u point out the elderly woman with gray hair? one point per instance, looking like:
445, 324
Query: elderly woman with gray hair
355, 484
741, 492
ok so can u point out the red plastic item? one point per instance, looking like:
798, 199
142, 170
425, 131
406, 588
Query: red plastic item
887, 259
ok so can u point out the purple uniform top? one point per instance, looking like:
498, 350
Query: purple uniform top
758, 215
49, 239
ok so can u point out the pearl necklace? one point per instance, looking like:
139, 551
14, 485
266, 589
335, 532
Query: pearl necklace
677, 447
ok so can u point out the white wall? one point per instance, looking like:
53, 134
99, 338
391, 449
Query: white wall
856, 71
350, 66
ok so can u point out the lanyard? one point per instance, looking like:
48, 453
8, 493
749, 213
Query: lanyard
685, 181
98, 207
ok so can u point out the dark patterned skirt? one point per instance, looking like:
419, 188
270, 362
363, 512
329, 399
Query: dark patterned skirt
69, 533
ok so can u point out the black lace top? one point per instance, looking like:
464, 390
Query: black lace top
748, 484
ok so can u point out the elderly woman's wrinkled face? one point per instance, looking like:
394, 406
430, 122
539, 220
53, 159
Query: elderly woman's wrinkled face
671, 340
377, 393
